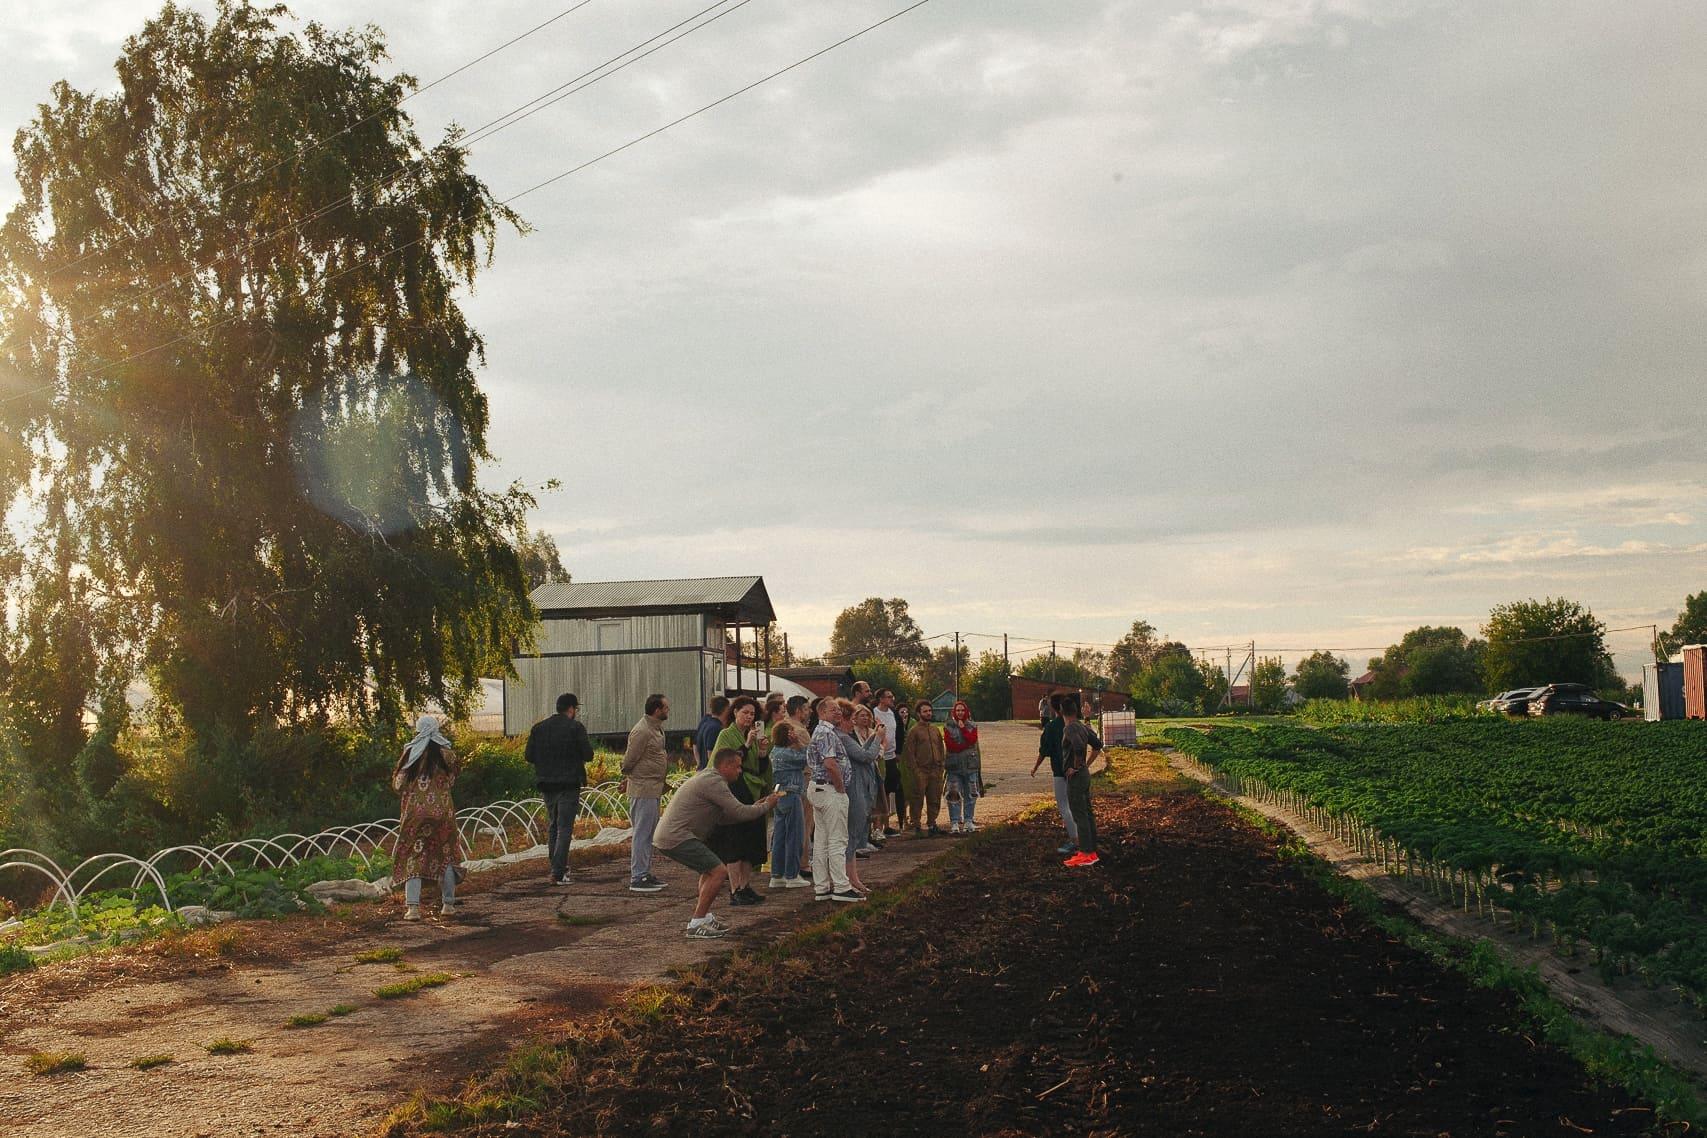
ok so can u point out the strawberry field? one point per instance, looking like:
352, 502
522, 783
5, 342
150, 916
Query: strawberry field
1592, 834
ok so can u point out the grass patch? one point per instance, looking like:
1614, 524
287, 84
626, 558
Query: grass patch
307, 1019
389, 955
149, 1062
341, 1010
225, 1045
55, 1062
413, 985
652, 1003
582, 920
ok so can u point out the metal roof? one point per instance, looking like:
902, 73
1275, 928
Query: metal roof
733, 598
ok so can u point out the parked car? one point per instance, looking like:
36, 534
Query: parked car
1513, 702
1574, 699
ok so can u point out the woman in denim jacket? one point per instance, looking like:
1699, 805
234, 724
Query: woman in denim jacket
788, 767
963, 766
865, 751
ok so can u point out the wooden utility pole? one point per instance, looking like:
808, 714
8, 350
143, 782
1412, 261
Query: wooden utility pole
1007, 668
1052, 660
957, 665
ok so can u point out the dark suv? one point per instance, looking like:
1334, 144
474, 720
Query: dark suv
1574, 699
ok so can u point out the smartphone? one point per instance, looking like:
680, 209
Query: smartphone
778, 789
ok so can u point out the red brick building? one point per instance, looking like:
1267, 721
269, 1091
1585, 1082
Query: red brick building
1026, 692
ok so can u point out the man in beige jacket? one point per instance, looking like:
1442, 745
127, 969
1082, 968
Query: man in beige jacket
644, 765
699, 806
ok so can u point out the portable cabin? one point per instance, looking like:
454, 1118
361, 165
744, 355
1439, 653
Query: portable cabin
613, 643
1662, 691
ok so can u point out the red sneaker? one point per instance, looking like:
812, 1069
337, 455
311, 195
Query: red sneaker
1090, 858
1079, 859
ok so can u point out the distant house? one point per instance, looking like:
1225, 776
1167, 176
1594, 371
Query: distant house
613, 643
1360, 686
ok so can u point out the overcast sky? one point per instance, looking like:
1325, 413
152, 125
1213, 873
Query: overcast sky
1301, 321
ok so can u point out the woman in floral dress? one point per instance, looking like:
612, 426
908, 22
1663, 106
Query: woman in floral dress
427, 844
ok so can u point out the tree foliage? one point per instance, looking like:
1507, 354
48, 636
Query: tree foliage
936, 674
1171, 684
878, 627
1322, 675
1268, 683
1133, 653
250, 446
881, 672
542, 564
1430, 660
1690, 627
1546, 642
985, 688
1058, 670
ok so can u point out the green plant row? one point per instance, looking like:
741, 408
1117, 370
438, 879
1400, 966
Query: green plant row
112, 916
1586, 832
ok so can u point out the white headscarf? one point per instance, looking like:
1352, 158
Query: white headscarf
426, 731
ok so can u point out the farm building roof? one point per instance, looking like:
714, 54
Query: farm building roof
740, 599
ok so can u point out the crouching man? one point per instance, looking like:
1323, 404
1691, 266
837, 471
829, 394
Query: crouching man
701, 804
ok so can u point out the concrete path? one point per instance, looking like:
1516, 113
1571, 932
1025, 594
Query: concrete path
523, 954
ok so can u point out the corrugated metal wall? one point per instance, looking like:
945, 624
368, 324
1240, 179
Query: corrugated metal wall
612, 688
617, 632
1662, 691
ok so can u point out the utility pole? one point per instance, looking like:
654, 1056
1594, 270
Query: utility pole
1052, 659
957, 665
1007, 668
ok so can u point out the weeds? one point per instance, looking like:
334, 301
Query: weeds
341, 1010
225, 1045
413, 985
15, 958
55, 1062
581, 920
388, 955
307, 1019
149, 1062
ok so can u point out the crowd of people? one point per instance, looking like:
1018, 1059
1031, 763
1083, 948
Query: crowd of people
839, 778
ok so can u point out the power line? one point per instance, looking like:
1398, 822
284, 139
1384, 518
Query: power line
304, 151
576, 169
517, 114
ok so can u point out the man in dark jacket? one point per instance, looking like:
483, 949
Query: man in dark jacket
559, 750
711, 725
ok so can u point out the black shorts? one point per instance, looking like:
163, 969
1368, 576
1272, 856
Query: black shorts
892, 776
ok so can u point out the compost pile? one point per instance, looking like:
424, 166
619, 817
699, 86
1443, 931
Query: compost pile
1194, 983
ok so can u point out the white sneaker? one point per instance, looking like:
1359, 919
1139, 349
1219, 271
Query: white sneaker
412, 913
969, 828
954, 827
779, 883
797, 883
448, 909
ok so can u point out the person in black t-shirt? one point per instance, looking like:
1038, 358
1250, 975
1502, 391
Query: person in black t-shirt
1080, 747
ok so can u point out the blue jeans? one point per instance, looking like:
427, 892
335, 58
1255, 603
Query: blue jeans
788, 835
562, 806
447, 888
1065, 807
962, 795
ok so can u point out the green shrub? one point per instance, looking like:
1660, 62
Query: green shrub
55, 1062
14, 958
1413, 709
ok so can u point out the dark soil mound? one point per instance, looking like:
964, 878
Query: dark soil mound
1191, 984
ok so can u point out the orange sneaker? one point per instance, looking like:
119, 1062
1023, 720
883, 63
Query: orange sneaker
1090, 858
1079, 859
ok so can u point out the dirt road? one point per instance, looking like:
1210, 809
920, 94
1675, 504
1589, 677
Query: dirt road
523, 955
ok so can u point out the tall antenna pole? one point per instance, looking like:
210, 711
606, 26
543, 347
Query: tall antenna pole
957, 665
